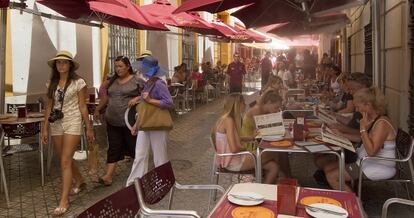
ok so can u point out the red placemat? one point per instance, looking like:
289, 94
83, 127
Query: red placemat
267, 209
344, 199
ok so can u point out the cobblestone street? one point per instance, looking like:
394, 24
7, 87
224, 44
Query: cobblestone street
191, 155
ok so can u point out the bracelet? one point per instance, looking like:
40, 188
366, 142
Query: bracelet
362, 130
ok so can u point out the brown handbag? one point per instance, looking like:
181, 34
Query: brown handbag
152, 117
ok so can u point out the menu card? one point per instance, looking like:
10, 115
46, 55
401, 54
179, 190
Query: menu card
346, 200
270, 124
330, 137
325, 116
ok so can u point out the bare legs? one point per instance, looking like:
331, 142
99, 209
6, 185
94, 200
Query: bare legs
110, 169
332, 175
65, 147
270, 165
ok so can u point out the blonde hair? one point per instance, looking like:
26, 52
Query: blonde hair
271, 96
273, 80
374, 96
231, 109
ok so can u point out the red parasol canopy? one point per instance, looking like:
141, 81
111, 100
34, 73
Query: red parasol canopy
4, 3
316, 25
212, 6
119, 12
237, 34
163, 11
253, 36
265, 12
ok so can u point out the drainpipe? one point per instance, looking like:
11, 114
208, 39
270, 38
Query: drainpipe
345, 45
378, 77
3, 30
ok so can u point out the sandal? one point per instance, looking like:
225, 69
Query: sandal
59, 211
104, 182
77, 190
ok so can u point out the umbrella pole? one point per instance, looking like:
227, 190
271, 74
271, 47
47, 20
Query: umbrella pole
3, 30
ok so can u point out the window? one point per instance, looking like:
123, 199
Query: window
189, 52
368, 49
122, 41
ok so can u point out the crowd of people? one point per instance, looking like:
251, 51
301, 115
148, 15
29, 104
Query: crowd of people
145, 83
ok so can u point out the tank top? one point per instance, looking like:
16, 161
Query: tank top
336, 88
222, 146
379, 169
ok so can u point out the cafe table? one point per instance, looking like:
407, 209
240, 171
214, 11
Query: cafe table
266, 146
269, 208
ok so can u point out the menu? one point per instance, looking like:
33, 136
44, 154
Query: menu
346, 200
325, 116
270, 124
330, 137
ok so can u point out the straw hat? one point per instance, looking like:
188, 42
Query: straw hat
149, 67
63, 55
144, 54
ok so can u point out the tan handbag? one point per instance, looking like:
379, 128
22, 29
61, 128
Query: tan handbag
152, 117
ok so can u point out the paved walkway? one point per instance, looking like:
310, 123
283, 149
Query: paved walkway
191, 156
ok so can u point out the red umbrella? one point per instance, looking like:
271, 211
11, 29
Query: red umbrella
162, 10
315, 25
265, 12
4, 3
212, 6
119, 12
253, 36
237, 34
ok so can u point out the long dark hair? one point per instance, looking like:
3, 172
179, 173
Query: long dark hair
124, 60
55, 77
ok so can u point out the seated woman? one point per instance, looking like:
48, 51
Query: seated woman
179, 75
227, 140
274, 83
270, 102
378, 139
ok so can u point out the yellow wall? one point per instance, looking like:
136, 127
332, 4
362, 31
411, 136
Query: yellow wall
104, 51
225, 51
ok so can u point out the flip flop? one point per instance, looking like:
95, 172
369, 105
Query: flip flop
59, 211
79, 189
104, 182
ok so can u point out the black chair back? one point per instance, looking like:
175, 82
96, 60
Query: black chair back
31, 107
403, 142
157, 183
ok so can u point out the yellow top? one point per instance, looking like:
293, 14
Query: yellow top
248, 130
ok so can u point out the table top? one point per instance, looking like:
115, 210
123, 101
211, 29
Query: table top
13, 119
269, 192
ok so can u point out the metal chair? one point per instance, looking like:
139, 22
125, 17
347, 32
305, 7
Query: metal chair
392, 201
404, 152
2, 172
31, 107
156, 184
123, 203
218, 170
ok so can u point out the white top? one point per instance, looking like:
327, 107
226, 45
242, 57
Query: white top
70, 109
379, 169
335, 86
287, 78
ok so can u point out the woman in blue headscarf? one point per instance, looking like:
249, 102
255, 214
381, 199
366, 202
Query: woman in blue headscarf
156, 93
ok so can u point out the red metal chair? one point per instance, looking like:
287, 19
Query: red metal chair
123, 203
156, 184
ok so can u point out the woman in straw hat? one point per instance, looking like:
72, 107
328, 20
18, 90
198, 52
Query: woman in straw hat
156, 93
65, 110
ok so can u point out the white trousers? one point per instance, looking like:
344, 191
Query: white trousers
158, 142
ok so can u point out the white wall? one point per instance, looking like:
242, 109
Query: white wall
34, 40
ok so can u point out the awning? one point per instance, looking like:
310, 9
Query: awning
162, 10
118, 12
315, 25
212, 6
4, 3
264, 12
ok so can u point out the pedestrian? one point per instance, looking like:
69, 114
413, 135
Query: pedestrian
123, 91
155, 100
65, 110
266, 68
236, 71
